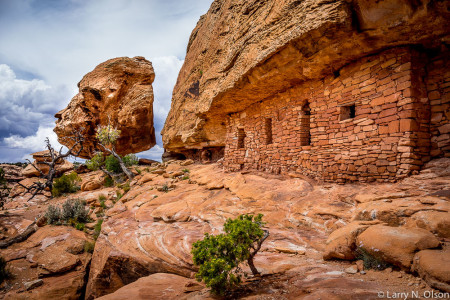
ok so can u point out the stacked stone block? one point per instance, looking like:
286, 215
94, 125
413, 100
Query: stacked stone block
368, 121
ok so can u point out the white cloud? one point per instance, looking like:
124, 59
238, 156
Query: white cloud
33, 143
52, 44
166, 71
155, 153
25, 103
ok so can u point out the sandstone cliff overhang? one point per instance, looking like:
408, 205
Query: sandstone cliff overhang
118, 91
244, 52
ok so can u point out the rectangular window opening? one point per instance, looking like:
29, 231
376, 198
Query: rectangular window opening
268, 129
305, 125
241, 138
347, 112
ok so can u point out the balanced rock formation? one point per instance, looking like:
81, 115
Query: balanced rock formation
244, 52
40, 158
117, 92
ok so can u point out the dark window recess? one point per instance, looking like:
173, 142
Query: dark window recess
347, 112
241, 138
268, 128
305, 125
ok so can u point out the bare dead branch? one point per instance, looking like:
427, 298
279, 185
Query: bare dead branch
39, 187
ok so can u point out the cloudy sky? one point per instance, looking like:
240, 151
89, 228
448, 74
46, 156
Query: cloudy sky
46, 46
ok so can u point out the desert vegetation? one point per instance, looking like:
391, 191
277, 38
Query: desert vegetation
72, 212
219, 256
67, 183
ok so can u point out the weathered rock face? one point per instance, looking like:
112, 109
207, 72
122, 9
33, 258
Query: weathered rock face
118, 91
396, 245
433, 267
243, 52
151, 230
54, 254
12, 173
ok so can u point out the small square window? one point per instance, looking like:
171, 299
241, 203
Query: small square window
347, 112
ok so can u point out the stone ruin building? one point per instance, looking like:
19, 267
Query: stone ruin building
337, 90
378, 118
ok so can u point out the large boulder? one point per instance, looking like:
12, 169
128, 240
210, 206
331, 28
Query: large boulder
433, 267
437, 222
396, 245
117, 92
341, 243
242, 52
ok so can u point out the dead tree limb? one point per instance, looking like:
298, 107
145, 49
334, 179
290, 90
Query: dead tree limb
55, 157
20, 237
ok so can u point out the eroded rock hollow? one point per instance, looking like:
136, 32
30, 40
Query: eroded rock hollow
284, 61
118, 91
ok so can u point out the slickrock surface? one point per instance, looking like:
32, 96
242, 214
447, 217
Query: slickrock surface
119, 90
53, 254
149, 231
243, 52
144, 247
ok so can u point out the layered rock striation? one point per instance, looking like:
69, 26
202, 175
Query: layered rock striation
244, 52
117, 92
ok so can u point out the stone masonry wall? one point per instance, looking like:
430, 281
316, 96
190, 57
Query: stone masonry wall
369, 121
438, 88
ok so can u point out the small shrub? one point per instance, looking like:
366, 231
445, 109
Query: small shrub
79, 226
130, 160
138, 171
53, 214
101, 198
185, 171
165, 188
112, 164
147, 170
109, 182
98, 228
103, 205
219, 256
89, 247
66, 184
4, 271
118, 195
126, 187
185, 177
74, 209
370, 261
95, 162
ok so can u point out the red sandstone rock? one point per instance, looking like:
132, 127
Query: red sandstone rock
150, 231
396, 245
117, 91
156, 286
433, 267
241, 53
57, 256
341, 243
12, 172
62, 165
